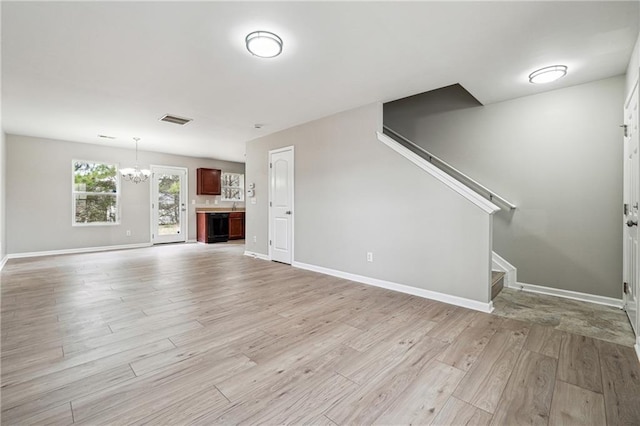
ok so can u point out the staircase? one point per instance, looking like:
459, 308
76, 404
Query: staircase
472, 184
497, 283
479, 195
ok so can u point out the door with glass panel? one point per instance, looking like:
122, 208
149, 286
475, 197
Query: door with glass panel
168, 204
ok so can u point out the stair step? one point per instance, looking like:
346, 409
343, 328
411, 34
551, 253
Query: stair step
497, 283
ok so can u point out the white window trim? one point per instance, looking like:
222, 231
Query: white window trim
241, 187
74, 193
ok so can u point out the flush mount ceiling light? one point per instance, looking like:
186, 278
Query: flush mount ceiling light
134, 174
548, 74
263, 44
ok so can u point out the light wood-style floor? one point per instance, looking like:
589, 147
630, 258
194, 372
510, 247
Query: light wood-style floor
195, 334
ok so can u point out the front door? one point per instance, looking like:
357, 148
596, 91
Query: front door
168, 204
631, 199
281, 205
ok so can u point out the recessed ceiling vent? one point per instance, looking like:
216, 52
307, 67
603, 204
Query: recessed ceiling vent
175, 119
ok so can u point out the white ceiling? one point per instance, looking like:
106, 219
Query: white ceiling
74, 70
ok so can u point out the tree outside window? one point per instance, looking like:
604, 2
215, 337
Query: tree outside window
95, 193
168, 204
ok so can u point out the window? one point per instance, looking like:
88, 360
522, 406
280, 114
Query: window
232, 187
95, 193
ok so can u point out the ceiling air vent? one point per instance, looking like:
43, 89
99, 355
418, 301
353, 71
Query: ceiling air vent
175, 119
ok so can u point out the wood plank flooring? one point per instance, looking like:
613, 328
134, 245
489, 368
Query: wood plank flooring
200, 334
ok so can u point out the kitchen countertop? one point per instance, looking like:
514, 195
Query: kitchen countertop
219, 210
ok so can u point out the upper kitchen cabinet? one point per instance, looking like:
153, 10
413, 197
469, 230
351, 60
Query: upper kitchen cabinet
208, 181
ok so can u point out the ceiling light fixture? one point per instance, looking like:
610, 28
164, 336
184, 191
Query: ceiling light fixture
263, 44
134, 174
548, 74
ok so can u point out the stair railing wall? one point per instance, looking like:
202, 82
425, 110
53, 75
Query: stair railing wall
449, 169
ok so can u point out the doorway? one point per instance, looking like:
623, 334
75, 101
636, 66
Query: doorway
281, 179
168, 204
631, 270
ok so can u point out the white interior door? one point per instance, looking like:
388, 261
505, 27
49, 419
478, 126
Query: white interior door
631, 199
168, 204
281, 205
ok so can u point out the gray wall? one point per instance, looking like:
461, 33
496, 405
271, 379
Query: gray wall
3, 193
558, 157
632, 68
3, 173
353, 195
38, 191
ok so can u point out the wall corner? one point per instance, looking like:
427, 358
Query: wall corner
379, 117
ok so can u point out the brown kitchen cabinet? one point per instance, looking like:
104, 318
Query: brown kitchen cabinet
219, 226
236, 225
202, 227
208, 181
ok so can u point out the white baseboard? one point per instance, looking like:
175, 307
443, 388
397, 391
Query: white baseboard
637, 346
499, 263
3, 262
427, 294
77, 250
257, 255
568, 294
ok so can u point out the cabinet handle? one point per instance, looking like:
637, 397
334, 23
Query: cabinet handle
287, 212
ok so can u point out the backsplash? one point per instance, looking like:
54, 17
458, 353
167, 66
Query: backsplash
201, 201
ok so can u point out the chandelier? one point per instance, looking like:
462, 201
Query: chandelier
135, 174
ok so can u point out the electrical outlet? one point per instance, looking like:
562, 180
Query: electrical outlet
193, 201
206, 201
215, 201
255, 239
369, 256
253, 200
128, 232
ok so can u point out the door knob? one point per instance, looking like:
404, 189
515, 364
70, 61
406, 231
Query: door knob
631, 223
287, 212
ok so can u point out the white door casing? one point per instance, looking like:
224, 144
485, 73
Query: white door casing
168, 207
631, 267
281, 179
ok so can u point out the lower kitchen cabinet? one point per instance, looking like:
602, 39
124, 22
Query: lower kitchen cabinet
236, 225
214, 227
